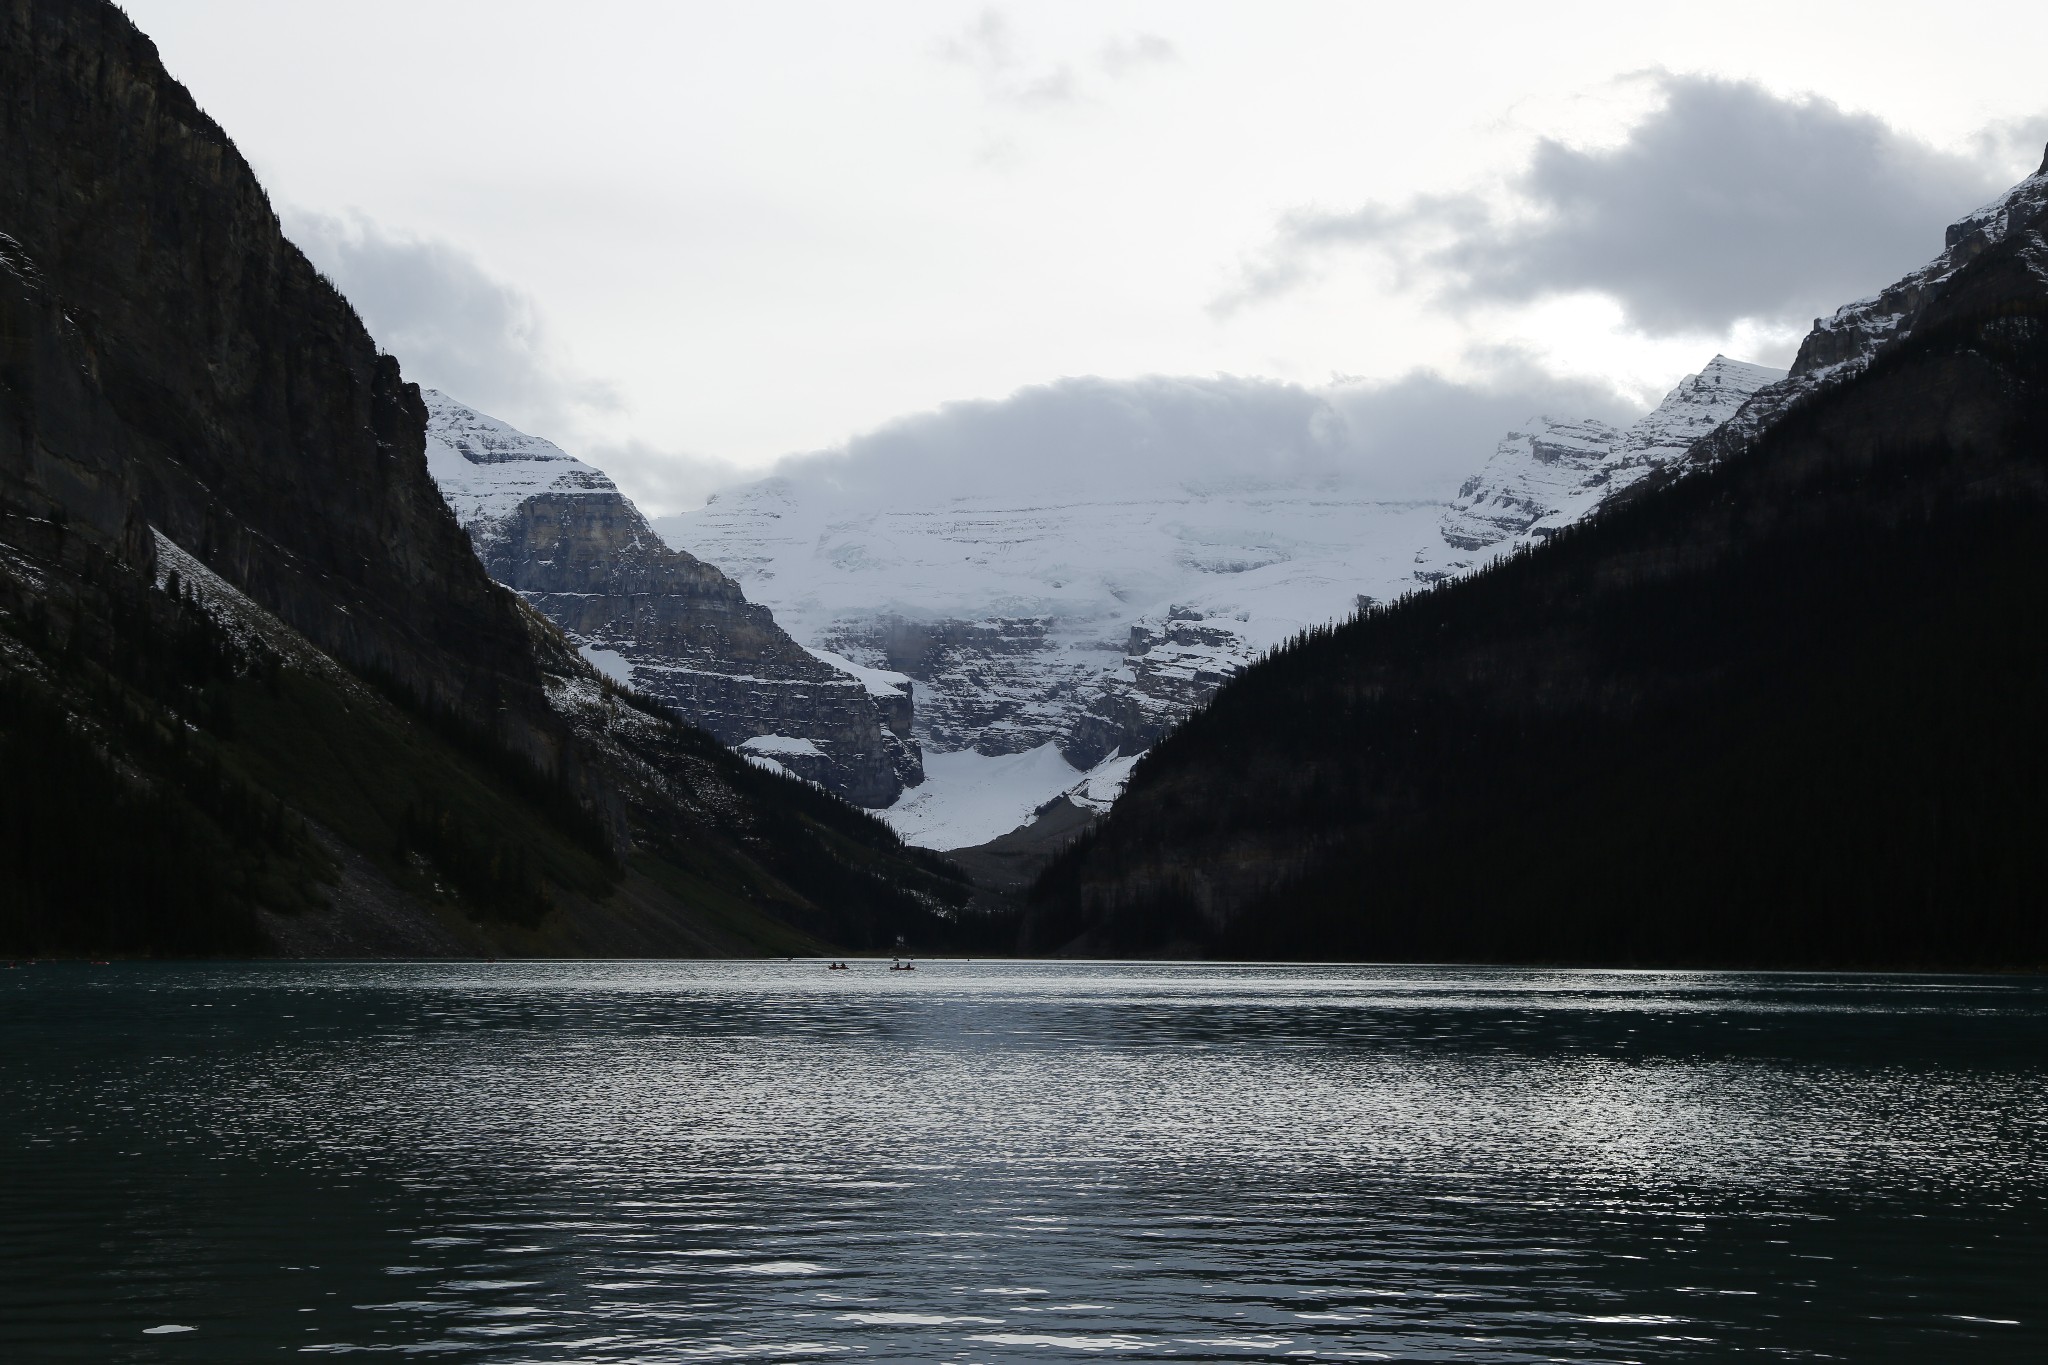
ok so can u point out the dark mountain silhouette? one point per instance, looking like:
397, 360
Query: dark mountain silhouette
1781, 706
256, 692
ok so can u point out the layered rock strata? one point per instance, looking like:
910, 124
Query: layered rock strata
1844, 345
1172, 665
1550, 474
561, 534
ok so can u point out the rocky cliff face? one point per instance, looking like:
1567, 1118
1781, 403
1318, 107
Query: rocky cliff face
1173, 664
1531, 473
666, 623
256, 691
982, 683
67, 481
199, 322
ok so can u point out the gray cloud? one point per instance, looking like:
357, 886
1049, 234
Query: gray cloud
988, 47
2014, 145
661, 481
987, 44
1422, 434
1134, 52
1416, 436
1102, 432
1726, 203
452, 325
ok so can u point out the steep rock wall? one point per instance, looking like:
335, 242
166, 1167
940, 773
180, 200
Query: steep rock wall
561, 534
257, 693
265, 432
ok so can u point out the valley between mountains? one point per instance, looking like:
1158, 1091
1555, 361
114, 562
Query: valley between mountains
1027, 648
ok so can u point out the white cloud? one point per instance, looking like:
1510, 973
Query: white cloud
1415, 436
988, 47
1134, 52
771, 226
452, 324
663, 481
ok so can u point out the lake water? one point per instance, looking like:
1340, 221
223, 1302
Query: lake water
563, 1162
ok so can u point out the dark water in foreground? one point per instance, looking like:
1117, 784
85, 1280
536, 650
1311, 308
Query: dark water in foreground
981, 1162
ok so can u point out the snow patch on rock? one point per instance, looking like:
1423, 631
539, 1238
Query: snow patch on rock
243, 620
969, 798
780, 746
1843, 345
609, 662
1548, 475
1104, 784
880, 682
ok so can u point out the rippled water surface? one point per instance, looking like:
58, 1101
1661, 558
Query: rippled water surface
1002, 1161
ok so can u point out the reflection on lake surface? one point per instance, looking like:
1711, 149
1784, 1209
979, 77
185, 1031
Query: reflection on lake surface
1005, 1161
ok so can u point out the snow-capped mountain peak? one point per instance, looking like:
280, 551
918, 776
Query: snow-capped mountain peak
1534, 471
561, 534
486, 468
1549, 474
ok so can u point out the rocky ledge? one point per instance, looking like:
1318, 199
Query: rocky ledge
560, 533
1549, 474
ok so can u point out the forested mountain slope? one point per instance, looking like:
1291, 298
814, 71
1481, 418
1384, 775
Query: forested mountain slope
328, 730
1784, 708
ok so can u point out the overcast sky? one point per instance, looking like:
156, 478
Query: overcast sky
686, 239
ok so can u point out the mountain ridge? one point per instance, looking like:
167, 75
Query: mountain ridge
560, 533
1774, 707
1094, 622
260, 695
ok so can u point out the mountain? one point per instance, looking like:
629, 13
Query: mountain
669, 625
1551, 474
1054, 633
1776, 704
257, 694
1844, 345
1064, 623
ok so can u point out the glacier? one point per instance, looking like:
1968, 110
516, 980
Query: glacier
1051, 634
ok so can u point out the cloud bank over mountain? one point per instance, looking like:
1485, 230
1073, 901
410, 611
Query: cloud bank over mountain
1415, 436
1727, 203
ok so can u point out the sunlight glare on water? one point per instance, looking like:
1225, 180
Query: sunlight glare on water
1018, 1161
